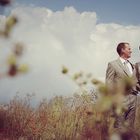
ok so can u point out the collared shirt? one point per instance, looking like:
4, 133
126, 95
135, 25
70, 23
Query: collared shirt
127, 63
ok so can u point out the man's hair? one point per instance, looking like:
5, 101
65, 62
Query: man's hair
120, 47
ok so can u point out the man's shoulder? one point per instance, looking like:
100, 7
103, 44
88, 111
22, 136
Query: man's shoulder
137, 63
113, 61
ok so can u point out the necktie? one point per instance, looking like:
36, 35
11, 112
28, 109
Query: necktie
127, 68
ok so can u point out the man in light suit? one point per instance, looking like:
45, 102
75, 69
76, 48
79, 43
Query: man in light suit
116, 71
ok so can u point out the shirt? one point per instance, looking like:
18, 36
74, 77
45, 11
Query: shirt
127, 63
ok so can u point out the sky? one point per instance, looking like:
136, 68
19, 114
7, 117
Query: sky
79, 34
118, 11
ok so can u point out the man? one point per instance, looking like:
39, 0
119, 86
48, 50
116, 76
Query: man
137, 65
118, 70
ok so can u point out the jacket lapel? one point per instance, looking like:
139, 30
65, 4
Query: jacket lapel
122, 67
133, 67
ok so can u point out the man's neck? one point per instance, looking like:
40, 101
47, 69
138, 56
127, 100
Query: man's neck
123, 57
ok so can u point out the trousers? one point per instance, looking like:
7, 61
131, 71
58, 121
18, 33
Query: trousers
127, 117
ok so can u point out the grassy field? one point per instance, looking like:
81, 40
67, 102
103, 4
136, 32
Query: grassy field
80, 117
83, 116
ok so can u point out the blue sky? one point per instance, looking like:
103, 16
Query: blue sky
119, 11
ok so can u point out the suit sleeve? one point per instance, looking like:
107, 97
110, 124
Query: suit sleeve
137, 67
110, 74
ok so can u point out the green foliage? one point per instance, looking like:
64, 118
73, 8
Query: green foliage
64, 70
9, 25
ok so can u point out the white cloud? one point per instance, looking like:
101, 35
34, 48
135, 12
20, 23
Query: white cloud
61, 38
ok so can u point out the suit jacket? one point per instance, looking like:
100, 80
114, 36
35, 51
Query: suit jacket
137, 67
116, 72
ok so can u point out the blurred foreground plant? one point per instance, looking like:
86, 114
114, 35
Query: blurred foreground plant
13, 65
109, 104
5, 2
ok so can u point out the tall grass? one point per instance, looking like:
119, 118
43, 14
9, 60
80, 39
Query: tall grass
61, 118
83, 116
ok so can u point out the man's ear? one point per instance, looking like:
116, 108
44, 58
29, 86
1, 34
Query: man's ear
122, 51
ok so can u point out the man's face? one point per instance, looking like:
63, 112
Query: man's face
127, 51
